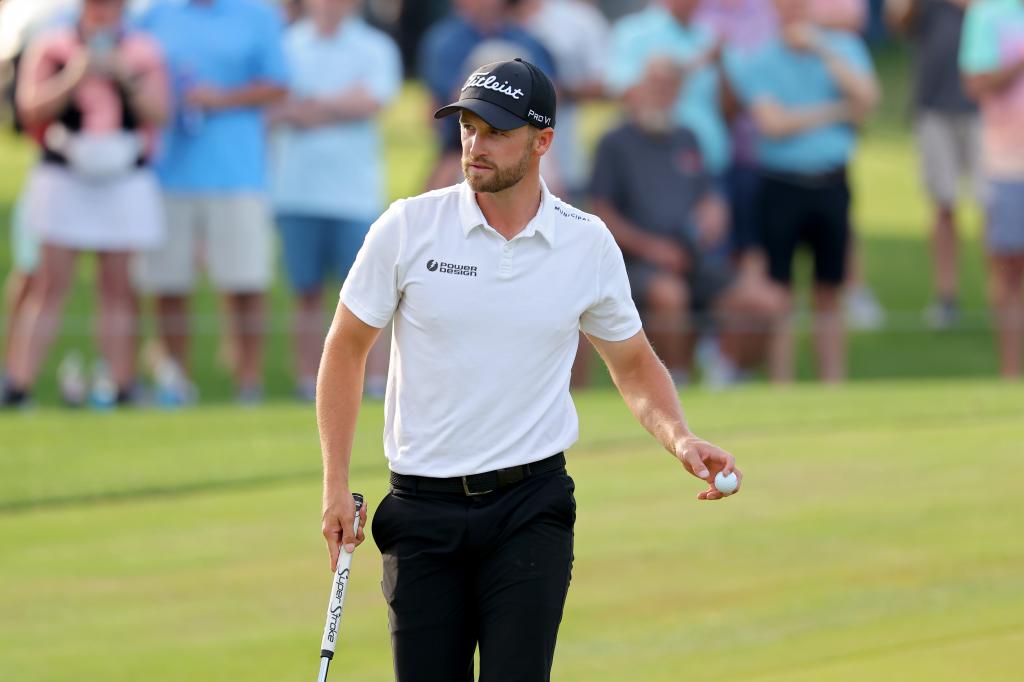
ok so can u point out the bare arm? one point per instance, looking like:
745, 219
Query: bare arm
647, 389
147, 93
638, 242
774, 120
993, 82
42, 98
257, 94
900, 14
339, 391
629, 237
859, 88
354, 104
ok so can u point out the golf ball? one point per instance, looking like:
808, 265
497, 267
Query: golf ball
726, 484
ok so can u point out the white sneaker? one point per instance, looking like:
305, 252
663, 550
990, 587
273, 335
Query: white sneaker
172, 387
103, 395
74, 388
716, 369
863, 311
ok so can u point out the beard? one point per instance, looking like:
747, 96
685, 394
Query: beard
498, 179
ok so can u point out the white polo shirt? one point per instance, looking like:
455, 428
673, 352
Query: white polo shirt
485, 329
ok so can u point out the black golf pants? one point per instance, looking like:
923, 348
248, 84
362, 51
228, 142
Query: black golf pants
488, 571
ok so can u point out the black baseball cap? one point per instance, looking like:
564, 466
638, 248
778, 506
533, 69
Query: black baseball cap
507, 95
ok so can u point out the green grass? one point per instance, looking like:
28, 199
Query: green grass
891, 216
877, 538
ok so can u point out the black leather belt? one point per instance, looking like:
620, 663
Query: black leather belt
478, 484
825, 178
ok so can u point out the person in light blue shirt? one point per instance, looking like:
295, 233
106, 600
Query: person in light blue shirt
798, 79
227, 66
225, 57
327, 174
667, 28
806, 90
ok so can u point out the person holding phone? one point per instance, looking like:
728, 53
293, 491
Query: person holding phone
93, 95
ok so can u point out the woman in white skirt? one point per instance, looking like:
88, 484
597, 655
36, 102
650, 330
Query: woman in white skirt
93, 95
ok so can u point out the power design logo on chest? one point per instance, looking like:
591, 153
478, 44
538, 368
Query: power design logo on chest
451, 268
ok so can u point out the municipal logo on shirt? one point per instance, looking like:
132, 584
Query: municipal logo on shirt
451, 268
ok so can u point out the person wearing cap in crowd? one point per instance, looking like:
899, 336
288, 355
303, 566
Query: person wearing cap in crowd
476, 533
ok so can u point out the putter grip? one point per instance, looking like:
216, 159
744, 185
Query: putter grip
339, 587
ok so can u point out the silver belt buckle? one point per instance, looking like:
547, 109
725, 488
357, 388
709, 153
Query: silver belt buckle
465, 489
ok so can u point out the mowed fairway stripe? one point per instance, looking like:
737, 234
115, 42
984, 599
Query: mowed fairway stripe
861, 552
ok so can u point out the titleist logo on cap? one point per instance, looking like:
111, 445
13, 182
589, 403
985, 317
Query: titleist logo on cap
489, 82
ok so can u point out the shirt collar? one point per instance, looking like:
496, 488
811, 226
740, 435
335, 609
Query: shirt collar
543, 223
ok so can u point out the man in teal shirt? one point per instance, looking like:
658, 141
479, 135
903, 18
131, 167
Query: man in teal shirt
806, 90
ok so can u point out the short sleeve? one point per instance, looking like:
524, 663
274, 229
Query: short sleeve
385, 72
272, 66
371, 290
613, 315
854, 51
979, 51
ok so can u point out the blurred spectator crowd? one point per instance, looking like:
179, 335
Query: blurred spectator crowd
187, 137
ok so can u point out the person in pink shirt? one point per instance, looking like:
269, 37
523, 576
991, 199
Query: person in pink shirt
93, 95
992, 63
741, 24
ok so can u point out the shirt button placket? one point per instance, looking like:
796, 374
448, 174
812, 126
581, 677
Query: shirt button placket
505, 267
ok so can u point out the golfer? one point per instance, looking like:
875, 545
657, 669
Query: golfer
488, 284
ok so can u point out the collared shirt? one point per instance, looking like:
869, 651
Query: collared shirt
226, 44
654, 32
485, 329
799, 79
993, 38
334, 170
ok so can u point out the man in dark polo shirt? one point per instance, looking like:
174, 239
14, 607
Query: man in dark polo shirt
652, 189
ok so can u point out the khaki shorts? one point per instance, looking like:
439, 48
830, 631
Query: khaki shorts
231, 236
949, 146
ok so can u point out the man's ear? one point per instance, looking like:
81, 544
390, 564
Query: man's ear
542, 141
